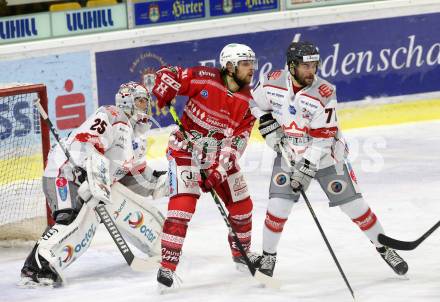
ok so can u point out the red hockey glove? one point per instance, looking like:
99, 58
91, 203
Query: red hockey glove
215, 177
166, 85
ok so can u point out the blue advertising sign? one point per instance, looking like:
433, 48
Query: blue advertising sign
160, 11
228, 7
68, 81
396, 56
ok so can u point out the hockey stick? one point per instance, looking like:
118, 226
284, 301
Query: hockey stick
327, 243
266, 280
136, 264
406, 245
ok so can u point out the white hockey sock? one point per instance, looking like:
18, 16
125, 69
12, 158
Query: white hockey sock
361, 214
278, 211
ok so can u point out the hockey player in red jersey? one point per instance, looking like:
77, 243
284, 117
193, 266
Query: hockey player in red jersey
218, 122
297, 112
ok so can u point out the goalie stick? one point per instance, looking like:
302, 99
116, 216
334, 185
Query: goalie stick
291, 164
262, 278
136, 263
406, 245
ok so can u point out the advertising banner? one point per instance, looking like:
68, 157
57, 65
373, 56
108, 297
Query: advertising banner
88, 20
231, 7
24, 28
396, 56
154, 12
68, 80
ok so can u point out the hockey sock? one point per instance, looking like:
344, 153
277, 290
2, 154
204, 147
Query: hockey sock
180, 211
361, 214
240, 218
277, 213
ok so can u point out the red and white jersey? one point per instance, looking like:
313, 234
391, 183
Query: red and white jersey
110, 132
213, 115
308, 118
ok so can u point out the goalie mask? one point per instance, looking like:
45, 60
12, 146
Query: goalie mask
135, 100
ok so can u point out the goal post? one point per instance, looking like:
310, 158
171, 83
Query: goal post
24, 146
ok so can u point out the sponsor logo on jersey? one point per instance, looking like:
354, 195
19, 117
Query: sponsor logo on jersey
136, 221
292, 109
274, 75
204, 93
239, 186
280, 179
188, 178
135, 145
325, 90
205, 73
61, 184
337, 187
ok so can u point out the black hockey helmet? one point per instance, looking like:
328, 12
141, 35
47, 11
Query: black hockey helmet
303, 51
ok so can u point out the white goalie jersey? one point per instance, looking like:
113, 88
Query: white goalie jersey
108, 131
308, 118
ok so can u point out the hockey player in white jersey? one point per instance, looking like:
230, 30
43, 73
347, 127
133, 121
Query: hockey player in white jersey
297, 112
116, 134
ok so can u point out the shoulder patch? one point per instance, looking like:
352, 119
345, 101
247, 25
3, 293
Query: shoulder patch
325, 90
274, 75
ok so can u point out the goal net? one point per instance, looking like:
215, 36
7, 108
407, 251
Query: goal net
24, 144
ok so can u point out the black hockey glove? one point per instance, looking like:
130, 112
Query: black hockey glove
302, 175
270, 130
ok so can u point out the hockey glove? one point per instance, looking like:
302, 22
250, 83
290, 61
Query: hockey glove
302, 175
166, 85
214, 178
79, 175
270, 130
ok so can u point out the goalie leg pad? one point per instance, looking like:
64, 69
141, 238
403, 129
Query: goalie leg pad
61, 245
138, 221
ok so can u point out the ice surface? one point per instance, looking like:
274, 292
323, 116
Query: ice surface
398, 168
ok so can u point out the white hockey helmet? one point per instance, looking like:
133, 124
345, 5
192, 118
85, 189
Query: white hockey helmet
126, 96
235, 53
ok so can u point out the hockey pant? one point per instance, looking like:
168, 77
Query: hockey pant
185, 192
340, 185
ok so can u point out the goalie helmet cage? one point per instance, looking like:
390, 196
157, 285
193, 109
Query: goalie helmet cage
24, 146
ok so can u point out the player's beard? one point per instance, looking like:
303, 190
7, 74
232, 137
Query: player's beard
240, 82
302, 81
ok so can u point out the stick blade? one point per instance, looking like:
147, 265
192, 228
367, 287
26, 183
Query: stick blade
267, 281
397, 244
145, 265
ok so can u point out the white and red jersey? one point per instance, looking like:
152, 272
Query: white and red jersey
308, 117
213, 115
110, 132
